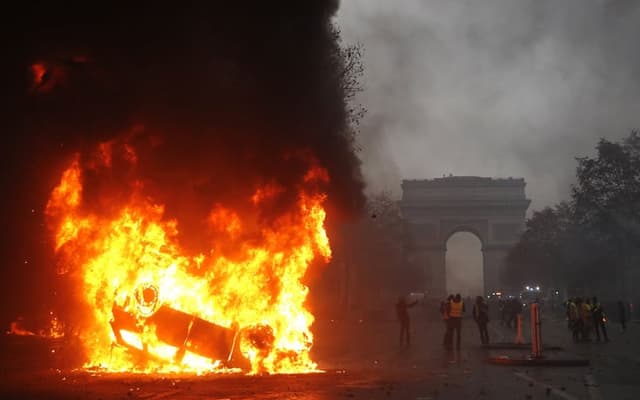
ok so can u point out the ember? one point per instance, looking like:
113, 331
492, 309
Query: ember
173, 311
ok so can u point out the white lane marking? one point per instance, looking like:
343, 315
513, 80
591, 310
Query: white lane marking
592, 387
553, 390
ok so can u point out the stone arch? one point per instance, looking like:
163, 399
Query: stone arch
433, 210
464, 228
454, 279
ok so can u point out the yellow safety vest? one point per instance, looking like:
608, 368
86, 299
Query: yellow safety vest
456, 309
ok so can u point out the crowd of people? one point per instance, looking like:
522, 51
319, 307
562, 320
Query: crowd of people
586, 317
452, 311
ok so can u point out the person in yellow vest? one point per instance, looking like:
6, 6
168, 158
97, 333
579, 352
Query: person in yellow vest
456, 310
445, 308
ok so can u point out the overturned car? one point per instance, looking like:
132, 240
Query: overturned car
152, 331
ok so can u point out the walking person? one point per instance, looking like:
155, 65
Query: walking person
403, 317
481, 316
455, 317
599, 320
622, 315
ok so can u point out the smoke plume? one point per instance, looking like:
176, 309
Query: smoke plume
493, 87
214, 99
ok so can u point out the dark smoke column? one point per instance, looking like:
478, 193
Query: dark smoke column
215, 97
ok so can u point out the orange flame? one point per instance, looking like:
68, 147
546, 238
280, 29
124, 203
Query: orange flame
55, 330
16, 329
132, 261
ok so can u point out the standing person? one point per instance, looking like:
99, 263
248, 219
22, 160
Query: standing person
579, 323
599, 320
573, 317
622, 315
567, 312
481, 316
403, 317
503, 312
455, 317
445, 308
515, 308
587, 319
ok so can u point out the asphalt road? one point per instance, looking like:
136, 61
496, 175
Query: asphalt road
363, 360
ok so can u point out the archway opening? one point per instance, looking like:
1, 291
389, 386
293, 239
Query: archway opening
464, 265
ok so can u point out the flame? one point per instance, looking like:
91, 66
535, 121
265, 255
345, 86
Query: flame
132, 261
38, 70
15, 328
55, 330
45, 76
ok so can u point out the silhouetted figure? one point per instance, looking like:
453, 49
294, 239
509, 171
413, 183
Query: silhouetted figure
456, 310
481, 316
622, 315
599, 320
504, 312
579, 325
573, 316
403, 316
514, 307
567, 313
586, 314
445, 309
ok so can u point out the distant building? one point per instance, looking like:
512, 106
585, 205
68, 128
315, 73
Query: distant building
434, 209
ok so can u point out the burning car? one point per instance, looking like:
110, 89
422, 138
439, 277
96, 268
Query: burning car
151, 305
156, 332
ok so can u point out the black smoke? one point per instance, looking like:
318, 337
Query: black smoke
216, 98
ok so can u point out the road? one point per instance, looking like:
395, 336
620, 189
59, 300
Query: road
362, 360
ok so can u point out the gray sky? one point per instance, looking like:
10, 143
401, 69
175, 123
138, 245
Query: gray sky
493, 87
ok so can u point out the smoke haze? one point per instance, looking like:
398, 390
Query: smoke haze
493, 87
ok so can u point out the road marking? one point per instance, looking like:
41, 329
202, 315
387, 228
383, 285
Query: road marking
592, 387
553, 390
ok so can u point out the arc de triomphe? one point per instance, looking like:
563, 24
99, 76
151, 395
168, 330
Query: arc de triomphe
434, 209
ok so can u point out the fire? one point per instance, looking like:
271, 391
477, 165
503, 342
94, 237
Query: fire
15, 328
55, 330
160, 304
38, 70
